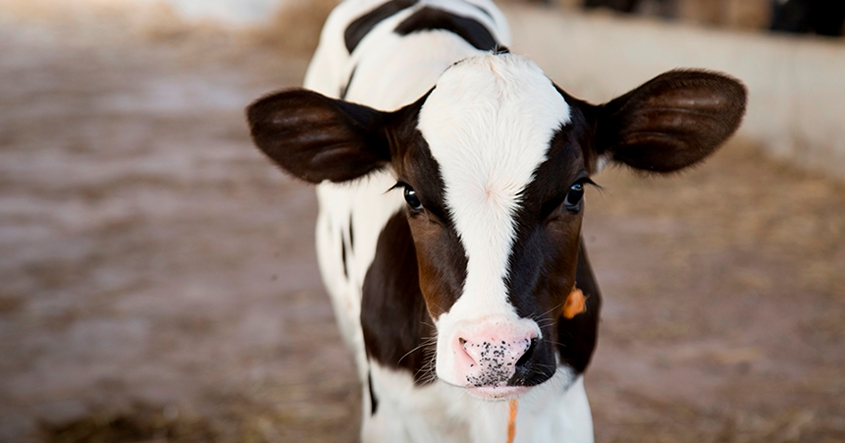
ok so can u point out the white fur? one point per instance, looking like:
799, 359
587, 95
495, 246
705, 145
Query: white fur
602, 161
558, 411
366, 204
393, 71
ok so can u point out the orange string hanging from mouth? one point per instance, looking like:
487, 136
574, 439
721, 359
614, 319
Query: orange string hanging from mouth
512, 420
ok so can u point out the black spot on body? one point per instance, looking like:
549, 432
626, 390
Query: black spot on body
343, 258
351, 235
345, 88
373, 399
358, 29
428, 19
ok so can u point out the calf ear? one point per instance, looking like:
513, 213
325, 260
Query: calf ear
673, 121
317, 138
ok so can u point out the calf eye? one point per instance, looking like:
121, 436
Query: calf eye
411, 199
574, 198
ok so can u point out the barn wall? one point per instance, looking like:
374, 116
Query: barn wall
231, 13
796, 84
237, 12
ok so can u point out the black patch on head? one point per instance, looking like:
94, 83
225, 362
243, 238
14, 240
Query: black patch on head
394, 318
533, 254
420, 170
373, 399
428, 18
441, 256
358, 29
582, 125
545, 260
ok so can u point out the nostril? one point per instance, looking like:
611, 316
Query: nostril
462, 350
467, 354
528, 354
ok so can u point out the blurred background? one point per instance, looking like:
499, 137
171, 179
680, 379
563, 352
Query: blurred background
157, 275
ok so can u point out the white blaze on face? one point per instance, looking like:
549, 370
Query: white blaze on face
488, 123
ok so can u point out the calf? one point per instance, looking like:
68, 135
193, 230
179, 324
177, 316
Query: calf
451, 188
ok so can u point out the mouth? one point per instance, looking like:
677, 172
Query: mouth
497, 393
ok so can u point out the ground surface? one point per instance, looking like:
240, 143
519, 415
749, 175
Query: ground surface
159, 281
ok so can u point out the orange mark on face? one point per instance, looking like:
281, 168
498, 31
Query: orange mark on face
512, 420
575, 303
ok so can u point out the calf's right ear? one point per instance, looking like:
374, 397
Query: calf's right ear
317, 138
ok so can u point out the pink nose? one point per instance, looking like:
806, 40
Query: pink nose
490, 358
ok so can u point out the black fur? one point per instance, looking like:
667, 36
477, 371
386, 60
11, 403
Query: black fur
671, 122
345, 87
358, 29
394, 318
373, 399
428, 18
317, 138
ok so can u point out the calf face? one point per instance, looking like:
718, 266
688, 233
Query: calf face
493, 163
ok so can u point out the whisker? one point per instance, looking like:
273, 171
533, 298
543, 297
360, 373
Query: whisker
424, 344
557, 307
427, 372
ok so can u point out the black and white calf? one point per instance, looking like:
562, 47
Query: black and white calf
451, 187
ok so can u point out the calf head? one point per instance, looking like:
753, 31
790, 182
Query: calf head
493, 163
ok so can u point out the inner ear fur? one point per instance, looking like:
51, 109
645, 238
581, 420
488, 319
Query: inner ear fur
671, 122
318, 138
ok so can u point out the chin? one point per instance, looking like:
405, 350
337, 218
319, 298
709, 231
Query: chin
498, 393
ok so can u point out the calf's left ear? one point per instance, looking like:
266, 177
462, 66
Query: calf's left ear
318, 138
672, 121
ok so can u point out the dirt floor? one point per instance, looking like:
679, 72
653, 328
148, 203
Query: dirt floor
159, 281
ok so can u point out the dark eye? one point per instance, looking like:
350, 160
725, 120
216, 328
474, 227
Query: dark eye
411, 198
574, 198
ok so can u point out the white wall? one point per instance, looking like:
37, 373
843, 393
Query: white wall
796, 85
236, 12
